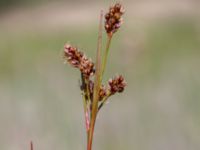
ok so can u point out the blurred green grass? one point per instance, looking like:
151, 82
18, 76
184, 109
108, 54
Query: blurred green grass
41, 101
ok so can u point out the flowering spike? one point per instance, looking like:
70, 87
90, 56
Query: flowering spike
73, 55
116, 84
78, 60
113, 18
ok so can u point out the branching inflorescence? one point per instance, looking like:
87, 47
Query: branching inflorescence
94, 93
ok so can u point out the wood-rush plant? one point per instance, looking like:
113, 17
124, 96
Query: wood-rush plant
94, 93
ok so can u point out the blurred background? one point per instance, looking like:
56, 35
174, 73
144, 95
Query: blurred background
157, 50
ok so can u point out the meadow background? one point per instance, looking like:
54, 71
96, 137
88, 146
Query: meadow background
157, 50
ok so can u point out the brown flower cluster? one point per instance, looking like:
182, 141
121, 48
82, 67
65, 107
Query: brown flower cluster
78, 60
113, 18
116, 84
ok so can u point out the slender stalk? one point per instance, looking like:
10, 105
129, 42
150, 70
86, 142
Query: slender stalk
97, 84
86, 112
31, 145
105, 56
85, 91
103, 102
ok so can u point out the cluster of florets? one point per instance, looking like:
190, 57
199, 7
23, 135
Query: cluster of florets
78, 60
113, 18
116, 84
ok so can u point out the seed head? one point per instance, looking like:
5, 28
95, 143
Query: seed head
113, 18
87, 67
117, 84
78, 60
73, 55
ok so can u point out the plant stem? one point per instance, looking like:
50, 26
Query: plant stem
105, 56
31, 145
103, 102
85, 112
85, 94
88, 112
97, 84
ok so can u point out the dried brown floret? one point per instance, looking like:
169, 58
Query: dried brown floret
113, 18
116, 84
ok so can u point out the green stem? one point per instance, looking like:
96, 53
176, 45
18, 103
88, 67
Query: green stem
85, 102
88, 92
101, 105
85, 112
103, 101
97, 83
105, 56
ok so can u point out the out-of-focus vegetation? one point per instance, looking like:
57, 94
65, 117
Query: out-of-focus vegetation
39, 97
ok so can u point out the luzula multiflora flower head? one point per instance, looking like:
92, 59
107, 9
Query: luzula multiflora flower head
79, 60
113, 19
117, 84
